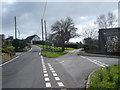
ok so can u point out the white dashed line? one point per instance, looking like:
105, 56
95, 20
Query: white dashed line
47, 79
57, 78
44, 67
53, 71
62, 62
54, 74
45, 75
60, 84
48, 84
44, 71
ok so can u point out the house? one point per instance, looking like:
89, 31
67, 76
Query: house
109, 39
10, 38
31, 39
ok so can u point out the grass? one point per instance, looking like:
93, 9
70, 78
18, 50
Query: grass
108, 77
10, 47
52, 52
56, 48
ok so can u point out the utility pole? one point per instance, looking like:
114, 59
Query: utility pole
42, 32
45, 33
19, 33
15, 29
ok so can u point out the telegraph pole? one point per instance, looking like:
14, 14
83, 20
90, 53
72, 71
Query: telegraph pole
15, 29
45, 32
19, 33
42, 32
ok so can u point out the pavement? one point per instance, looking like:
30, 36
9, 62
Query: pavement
31, 70
98, 55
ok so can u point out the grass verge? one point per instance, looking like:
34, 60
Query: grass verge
52, 54
56, 48
108, 77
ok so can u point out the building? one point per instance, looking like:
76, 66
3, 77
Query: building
32, 38
109, 39
10, 38
2, 37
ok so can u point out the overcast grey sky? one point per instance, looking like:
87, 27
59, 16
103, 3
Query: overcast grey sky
29, 15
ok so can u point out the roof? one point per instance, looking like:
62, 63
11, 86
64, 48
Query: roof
10, 38
29, 38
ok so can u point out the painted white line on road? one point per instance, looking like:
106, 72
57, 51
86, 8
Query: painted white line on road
96, 62
30, 50
44, 71
101, 63
57, 78
53, 71
48, 84
44, 67
62, 62
47, 79
9, 61
39, 53
45, 75
60, 84
54, 74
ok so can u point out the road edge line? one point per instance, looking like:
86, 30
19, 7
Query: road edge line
9, 61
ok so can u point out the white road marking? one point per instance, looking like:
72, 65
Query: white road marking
45, 75
53, 71
44, 71
57, 78
48, 84
62, 62
30, 50
44, 67
96, 62
47, 79
60, 84
54, 74
9, 61
39, 53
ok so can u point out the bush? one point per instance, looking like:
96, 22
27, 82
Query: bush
108, 77
18, 44
9, 50
71, 45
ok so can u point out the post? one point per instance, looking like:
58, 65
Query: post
15, 29
19, 34
42, 31
45, 33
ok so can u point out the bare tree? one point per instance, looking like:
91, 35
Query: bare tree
63, 30
106, 21
90, 32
